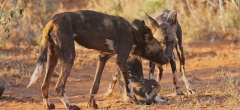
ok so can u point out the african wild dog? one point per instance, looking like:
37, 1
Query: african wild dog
168, 19
94, 30
145, 90
166, 35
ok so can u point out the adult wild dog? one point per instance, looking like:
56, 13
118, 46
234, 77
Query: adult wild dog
169, 18
94, 30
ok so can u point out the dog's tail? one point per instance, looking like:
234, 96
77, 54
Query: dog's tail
43, 53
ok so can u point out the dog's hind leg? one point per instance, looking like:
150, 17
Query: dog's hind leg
175, 76
181, 57
189, 88
67, 56
113, 83
52, 60
103, 57
67, 60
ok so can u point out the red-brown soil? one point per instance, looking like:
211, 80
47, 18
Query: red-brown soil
211, 68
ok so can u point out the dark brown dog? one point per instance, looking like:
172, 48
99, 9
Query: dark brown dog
172, 29
94, 30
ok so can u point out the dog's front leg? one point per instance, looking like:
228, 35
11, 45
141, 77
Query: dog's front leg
128, 90
160, 73
151, 70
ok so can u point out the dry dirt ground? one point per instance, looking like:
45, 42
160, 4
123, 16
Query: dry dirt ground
212, 67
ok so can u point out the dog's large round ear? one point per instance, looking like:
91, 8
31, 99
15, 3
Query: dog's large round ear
138, 23
172, 18
153, 23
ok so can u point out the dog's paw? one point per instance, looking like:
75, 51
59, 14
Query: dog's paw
73, 107
160, 99
92, 104
191, 91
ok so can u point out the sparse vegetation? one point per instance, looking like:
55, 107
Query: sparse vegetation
199, 19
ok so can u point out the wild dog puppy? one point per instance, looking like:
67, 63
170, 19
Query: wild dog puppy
94, 30
145, 90
166, 29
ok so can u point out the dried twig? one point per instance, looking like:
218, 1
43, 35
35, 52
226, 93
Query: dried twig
234, 3
234, 82
14, 3
4, 3
192, 11
211, 3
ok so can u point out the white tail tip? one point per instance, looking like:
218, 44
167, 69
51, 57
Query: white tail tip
36, 74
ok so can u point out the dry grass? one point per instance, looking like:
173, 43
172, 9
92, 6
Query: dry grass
206, 20
200, 20
219, 93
